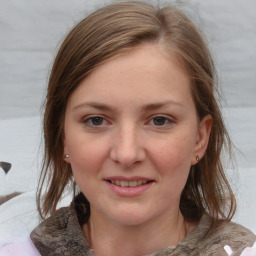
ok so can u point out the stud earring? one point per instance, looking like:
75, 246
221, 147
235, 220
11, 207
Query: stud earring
66, 156
197, 158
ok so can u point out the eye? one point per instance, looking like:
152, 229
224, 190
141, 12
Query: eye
95, 121
161, 121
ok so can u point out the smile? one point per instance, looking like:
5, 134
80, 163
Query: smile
124, 183
129, 187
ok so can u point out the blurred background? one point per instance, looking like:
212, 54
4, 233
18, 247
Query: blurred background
30, 33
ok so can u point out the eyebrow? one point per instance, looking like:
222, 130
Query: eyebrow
147, 107
158, 105
95, 105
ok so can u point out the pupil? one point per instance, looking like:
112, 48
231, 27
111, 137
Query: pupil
159, 120
97, 120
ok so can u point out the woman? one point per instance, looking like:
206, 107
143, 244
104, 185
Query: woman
132, 121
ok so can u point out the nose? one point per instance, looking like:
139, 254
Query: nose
127, 147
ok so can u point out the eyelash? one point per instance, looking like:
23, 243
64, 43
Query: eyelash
88, 121
167, 121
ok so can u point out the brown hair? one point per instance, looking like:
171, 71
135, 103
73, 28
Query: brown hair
106, 33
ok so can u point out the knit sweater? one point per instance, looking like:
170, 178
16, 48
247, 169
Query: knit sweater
61, 235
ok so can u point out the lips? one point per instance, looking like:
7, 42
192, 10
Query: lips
134, 186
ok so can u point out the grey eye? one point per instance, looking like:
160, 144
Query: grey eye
159, 120
97, 120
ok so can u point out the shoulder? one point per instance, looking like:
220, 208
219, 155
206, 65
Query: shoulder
234, 236
18, 247
60, 234
233, 230
224, 238
54, 227
55, 223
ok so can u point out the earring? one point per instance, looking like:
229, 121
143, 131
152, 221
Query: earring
66, 156
197, 158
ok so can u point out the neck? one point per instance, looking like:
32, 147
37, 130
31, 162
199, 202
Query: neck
109, 238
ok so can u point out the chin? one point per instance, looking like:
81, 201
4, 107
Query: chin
131, 217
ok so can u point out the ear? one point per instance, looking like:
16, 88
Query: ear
203, 135
65, 151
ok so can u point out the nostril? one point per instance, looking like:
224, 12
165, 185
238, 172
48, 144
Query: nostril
5, 166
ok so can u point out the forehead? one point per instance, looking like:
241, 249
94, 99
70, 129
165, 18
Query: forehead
146, 71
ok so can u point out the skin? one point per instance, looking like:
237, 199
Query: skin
135, 116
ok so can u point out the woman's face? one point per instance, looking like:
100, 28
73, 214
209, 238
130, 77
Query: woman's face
132, 133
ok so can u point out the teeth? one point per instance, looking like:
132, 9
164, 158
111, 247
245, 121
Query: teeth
133, 183
139, 182
124, 183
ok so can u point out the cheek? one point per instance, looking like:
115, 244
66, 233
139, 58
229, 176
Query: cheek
173, 156
86, 156
172, 164
86, 163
